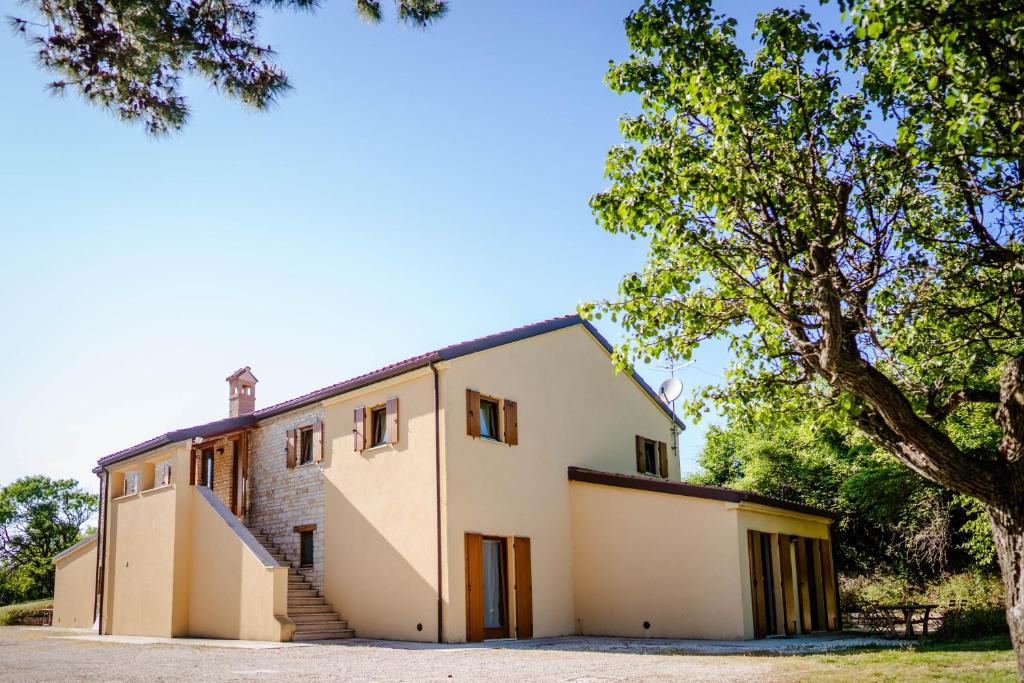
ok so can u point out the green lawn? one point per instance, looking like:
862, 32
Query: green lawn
35, 604
984, 659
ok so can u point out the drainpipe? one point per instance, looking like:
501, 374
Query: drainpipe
437, 493
101, 565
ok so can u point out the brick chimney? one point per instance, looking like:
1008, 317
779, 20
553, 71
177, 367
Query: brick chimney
241, 392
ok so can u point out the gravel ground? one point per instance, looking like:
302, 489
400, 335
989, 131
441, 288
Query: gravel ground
36, 655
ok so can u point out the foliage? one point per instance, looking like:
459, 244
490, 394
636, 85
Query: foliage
839, 265
890, 520
39, 517
17, 614
130, 56
846, 210
962, 622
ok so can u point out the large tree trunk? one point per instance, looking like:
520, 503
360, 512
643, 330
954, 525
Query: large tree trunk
1008, 534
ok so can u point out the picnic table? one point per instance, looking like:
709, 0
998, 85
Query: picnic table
908, 611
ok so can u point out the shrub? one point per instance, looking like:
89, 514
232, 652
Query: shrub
19, 615
960, 623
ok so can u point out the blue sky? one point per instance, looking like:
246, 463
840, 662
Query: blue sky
417, 188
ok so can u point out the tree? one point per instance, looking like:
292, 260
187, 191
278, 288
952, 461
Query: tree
129, 56
39, 517
845, 208
890, 521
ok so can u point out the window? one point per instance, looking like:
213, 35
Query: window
305, 445
207, 470
489, 419
163, 473
494, 419
306, 549
131, 483
651, 457
378, 426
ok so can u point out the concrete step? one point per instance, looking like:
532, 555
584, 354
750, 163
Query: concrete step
323, 627
324, 635
322, 618
302, 602
295, 610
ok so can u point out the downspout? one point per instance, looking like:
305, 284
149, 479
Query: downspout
437, 494
101, 565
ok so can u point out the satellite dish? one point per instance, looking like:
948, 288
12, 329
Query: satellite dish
671, 389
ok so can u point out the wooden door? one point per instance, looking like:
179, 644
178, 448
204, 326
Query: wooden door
523, 588
474, 588
789, 599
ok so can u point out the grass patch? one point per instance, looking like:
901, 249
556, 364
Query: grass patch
981, 659
12, 613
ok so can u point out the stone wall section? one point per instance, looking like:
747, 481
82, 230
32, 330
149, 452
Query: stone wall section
281, 499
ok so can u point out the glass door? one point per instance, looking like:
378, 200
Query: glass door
495, 588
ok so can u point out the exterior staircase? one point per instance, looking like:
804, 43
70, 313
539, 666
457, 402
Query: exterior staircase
314, 618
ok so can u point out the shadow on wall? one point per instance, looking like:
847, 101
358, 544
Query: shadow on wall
380, 567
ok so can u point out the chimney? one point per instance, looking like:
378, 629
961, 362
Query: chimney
241, 392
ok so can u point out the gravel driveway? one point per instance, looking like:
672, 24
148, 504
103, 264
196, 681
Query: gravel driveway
36, 655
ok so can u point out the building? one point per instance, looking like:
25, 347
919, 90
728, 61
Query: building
509, 486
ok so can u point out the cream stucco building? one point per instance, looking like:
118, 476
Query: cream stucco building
509, 486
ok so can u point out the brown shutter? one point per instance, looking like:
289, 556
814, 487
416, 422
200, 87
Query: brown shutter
663, 459
523, 588
786, 577
641, 464
192, 468
804, 589
472, 412
819, 593
511, 423
757, 587
290, 450
474, 588
234, 478
318, 441
391, 410
828, 580
359, 429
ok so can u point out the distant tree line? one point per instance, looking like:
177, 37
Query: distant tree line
39, 518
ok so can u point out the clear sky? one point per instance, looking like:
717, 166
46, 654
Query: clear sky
417, 188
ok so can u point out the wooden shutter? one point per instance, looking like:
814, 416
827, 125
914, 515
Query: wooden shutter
472, 412
192, 467
318, 441
235, 470
806, 625
359, 429
391, 411
663, 459
641, 461
828, 581
511, 422
757, 584
523, 588
290, 450
474, 588
786, 577
819, 593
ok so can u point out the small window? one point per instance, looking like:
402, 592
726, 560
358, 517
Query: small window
306, 549
131, 483
648, 457
378, 426
489, 419
207, 468
305, 445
